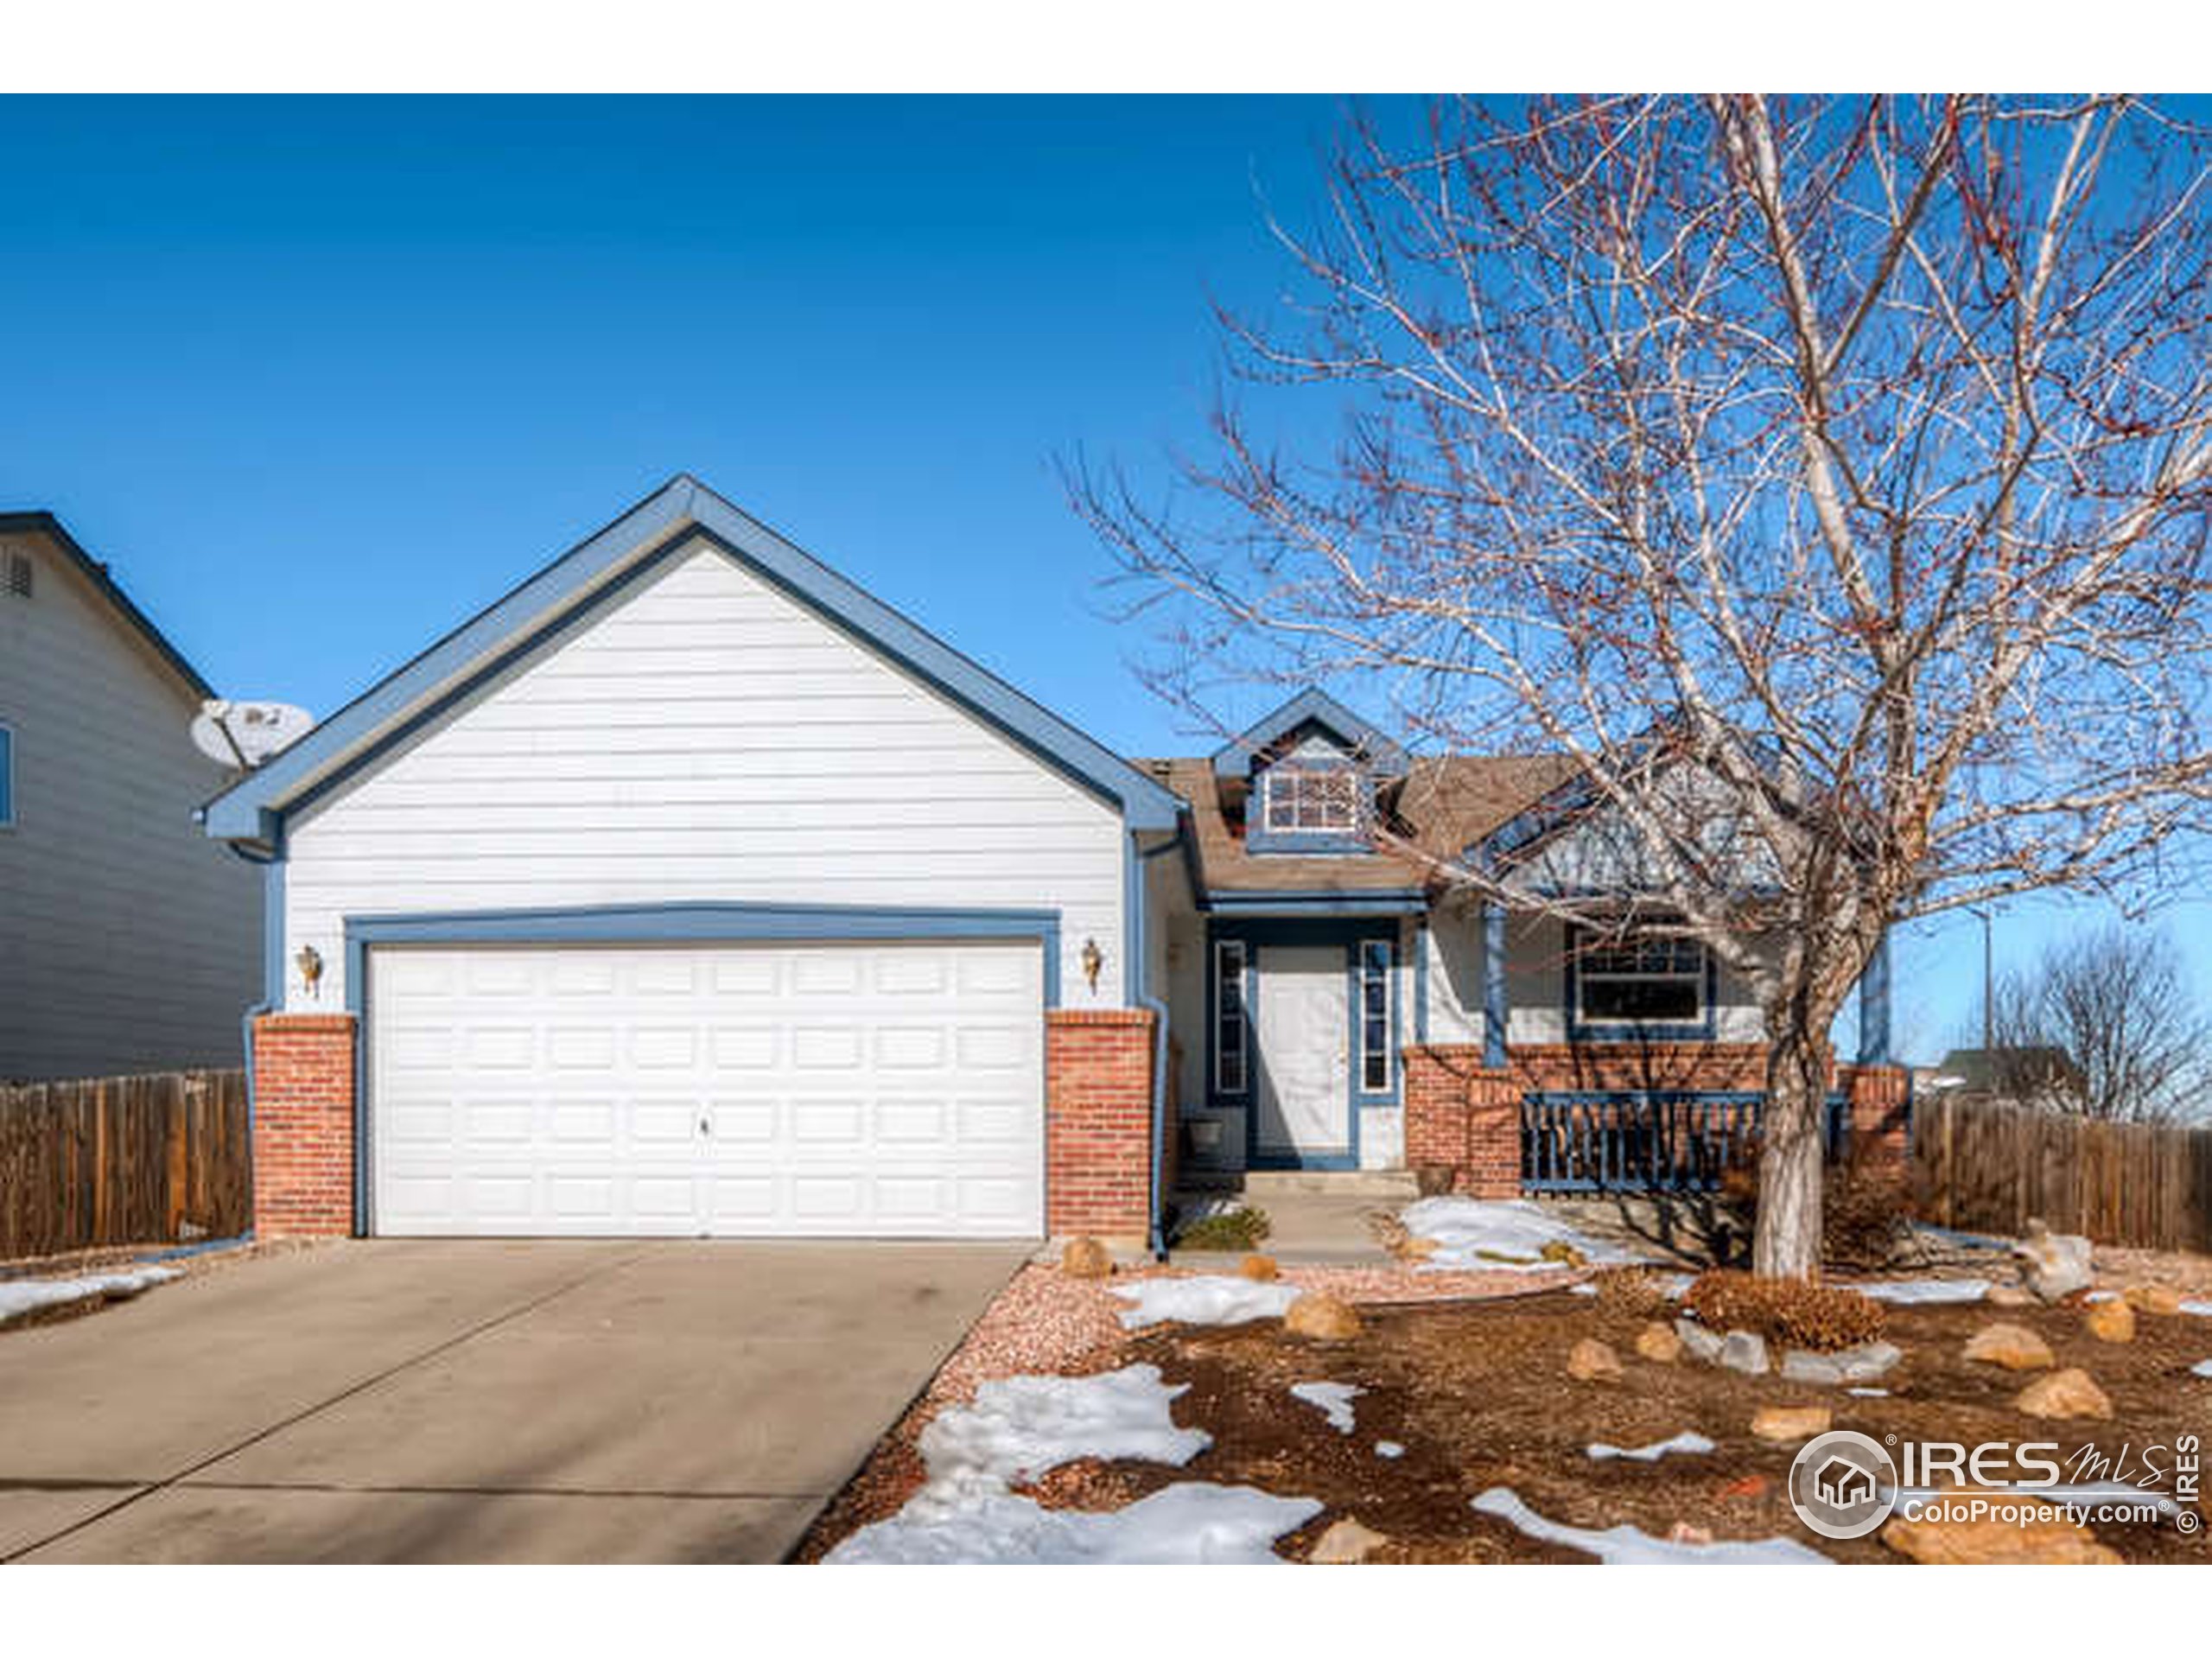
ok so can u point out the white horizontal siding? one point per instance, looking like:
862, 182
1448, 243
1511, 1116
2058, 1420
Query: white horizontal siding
707, 738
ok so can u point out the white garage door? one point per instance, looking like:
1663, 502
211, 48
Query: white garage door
887, 1090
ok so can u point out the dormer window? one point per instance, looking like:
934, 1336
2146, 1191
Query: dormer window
1311, 800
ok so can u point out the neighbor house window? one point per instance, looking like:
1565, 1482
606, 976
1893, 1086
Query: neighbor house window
1312, 798
7, 776
1375, 1015
1229, 1026
1650, 974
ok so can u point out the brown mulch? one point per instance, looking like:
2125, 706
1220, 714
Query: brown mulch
1476, 1393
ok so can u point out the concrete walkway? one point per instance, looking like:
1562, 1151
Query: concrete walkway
476, 1400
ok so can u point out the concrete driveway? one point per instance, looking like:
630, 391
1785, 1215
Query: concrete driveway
476, 1400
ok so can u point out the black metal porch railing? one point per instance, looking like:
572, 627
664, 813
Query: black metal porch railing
1646, 1140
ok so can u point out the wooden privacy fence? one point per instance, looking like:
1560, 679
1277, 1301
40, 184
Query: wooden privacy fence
1992, 1168
123, 1161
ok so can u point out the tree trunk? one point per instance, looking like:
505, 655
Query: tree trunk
1786, 1242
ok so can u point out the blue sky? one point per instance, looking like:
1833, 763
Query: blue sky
321, 378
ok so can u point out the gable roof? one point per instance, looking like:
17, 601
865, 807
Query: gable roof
1311, 706
45, 524
680, 510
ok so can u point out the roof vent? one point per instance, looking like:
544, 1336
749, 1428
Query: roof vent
19, 574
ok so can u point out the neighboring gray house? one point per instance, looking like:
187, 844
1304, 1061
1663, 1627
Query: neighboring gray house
128, 941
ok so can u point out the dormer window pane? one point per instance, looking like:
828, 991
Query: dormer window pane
1312, 798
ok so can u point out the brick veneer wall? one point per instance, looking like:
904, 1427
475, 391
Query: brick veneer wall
1098, 1122
1464, 1118
303, 1125
1880, 1115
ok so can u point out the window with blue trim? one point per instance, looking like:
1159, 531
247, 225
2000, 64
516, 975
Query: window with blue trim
1310, 800
1649, 973
7, 776
1375, 958
1230, 1050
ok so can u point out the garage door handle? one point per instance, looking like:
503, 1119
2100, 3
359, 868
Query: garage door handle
703, 1129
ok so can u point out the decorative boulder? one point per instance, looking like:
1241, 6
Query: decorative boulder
2069, 1393
1658, 1345
1869, 1360
2048, 1539
2011, 1296
2014, 1346
1704, 1343
2055, 1265
2153, 1299
1322, 1318
1788, 1425
2112, 1321
1086, 1258
1592, 1361
1346, 1543
1259, 1268
1745, 1351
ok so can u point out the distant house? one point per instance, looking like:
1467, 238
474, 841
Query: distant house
128, 941
2029, 1075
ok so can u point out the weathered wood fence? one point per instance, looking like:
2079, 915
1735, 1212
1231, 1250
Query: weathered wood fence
123, 1161
1989, 1167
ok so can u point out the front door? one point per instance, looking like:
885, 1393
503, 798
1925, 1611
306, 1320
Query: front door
1303, 1025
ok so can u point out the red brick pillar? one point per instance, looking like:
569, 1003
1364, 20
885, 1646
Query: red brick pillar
1493, 1168
1098, 1123
1879, 1095
303, 1125
1463, 1118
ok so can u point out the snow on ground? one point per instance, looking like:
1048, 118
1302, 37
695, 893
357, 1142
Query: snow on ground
1585, 1288
1925, 1292
1869, 1393
1391, 1449
1627, 1546
1332, 1399
1688, 1440
1193, 1522
1020, 1427
2202, 1310
1205, 1299
21, 1296
1502, 1234
2203, 1368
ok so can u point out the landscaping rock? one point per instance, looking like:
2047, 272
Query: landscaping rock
1323, 1318
1745, 1351
1565, 1254
1788, 1425
2112, 1321
2069, 1393
1658, 1345
2047, 1540
2011, 1296
2014, 1346
1799, 1366
1703, 1343
1592, 1361
1869, 1360
2055, 1265
1086, 1258
1346, 1543
2153, 1299
1260, 1267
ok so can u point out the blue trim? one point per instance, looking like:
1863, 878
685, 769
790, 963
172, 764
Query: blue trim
1383, 901
1381, 755
1421, 980
1634, 1031
1874, 1006
1497, 1003
272, 984
668, 518
1133, 946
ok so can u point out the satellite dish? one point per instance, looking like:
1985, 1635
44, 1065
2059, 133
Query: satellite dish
244, 735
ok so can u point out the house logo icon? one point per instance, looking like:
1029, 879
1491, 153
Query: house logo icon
1843, 1484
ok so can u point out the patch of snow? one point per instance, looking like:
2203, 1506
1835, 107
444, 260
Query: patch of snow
1925, 1292
1020, 1426
1585, 1288
1688, 1440
2203, 1368
1627, 1546
21, 1296
1333, 1400
1392, 1449
1505, 1234
1193, 1522
2202, 1310
1869, 1393
1208, 1299
1676, 1285
2101, 1296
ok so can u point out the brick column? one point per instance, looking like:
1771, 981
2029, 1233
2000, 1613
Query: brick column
1880, 1097
1464, 1116
303, 1125
1098, 1123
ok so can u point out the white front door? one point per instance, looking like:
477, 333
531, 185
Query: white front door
891, 1089
1303, 1030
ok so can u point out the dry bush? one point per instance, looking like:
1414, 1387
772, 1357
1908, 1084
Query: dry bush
1823, 1318
1633, 1290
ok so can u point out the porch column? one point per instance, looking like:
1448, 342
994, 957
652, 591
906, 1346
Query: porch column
1874, 1007
1494, 1007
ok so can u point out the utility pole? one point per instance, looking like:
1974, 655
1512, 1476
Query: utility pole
1988, 988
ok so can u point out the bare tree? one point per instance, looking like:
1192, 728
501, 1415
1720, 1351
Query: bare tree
1849, 458
2118, 1005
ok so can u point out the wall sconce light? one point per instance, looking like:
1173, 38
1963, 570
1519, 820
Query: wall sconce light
1093, 959
309, 962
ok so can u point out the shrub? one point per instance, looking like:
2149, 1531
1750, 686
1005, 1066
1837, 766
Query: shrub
1633, 1290
1241, 1228
1864, 1214
1790, 1312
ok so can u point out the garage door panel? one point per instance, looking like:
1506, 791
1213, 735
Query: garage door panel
887, 1090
